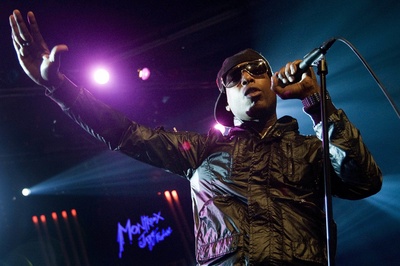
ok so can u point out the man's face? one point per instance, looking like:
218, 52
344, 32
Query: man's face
251, 98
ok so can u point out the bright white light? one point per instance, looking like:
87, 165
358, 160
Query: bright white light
144, 73
26, 192
220, 128
101, 76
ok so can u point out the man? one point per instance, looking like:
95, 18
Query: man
257, 192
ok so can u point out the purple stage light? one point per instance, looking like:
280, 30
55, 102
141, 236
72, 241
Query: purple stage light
101, 76
144, 73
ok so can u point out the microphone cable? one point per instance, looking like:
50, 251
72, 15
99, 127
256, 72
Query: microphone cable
364, 62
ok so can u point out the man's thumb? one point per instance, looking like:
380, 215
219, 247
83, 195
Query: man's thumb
56, 52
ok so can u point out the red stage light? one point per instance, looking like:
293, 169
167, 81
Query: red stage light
167, 195
175, 195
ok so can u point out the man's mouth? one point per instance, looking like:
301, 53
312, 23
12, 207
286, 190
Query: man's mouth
252, 92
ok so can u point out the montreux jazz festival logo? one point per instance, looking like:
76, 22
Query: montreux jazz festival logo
147, 231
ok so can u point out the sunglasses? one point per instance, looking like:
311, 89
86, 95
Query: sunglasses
234, 75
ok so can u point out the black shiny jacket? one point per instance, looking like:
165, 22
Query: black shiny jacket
256, 200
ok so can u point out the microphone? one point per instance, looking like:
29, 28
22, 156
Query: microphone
314, 56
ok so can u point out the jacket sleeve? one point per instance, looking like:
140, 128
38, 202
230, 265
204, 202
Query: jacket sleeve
356, 174
177, 152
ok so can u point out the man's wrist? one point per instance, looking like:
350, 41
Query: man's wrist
64, 94
53, 87
313, 100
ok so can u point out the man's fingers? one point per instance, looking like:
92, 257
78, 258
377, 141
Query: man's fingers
14, 30
24, 33
19, 29
19, 46
34, 28
275, 86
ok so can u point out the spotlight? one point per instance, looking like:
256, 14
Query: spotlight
26, 192
101, 76
144, 73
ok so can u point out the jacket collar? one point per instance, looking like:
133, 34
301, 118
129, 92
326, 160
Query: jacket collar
282, 125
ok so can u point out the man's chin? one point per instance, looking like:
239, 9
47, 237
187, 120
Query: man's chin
259, 115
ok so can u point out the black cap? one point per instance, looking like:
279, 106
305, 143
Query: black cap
223, 116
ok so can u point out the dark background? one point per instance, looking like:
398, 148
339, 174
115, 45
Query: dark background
184, 44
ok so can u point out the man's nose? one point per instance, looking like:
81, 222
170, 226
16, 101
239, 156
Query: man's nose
246, 78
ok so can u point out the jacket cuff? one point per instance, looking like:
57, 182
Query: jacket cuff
312, 107
65, 94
